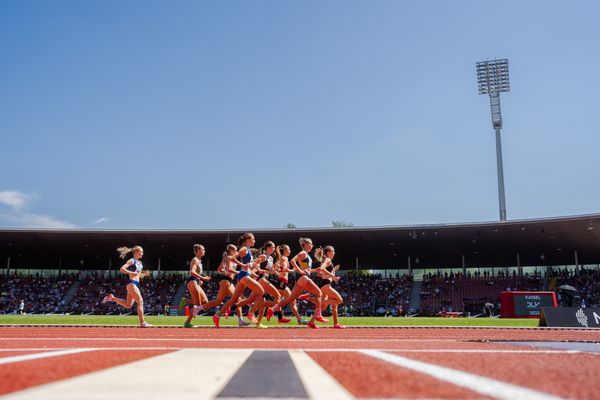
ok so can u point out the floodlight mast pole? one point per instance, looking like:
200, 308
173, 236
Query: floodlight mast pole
492, 79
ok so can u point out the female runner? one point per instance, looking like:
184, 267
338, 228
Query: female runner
195, 280
267, 280
303, 264
325, 282
282, 268
225, 275
243, 277
133, 268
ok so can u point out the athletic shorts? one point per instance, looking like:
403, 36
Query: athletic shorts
242, 274
222, 277
281, 284
320, 282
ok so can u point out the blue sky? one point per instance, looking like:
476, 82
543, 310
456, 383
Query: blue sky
238, 114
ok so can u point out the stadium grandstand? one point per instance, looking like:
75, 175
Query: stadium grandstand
422, 270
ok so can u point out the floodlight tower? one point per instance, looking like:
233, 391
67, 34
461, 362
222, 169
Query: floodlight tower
492, 79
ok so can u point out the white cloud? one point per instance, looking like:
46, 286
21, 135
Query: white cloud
29, 220
101, 220
16, 199
20, 216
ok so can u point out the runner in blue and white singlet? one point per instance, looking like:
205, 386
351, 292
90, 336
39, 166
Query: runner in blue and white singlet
244, 278
133, 269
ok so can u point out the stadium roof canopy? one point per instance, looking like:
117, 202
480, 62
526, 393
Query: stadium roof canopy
538, 242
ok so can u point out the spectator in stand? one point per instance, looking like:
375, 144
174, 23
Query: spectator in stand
39, 294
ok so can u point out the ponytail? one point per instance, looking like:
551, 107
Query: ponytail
228, 249
243, 238
279, 252
303, 241
264, 246
124, 250
319, 254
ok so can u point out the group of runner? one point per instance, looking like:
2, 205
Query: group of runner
264, 272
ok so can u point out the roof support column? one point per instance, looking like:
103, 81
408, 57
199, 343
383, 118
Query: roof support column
356, 265
409, 267
8, 265
576, 261
519, 268
464, 265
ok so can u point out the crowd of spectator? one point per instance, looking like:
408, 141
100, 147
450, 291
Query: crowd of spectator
363, 295
585, 281
157, 292
375, 295
37, 294
472, 294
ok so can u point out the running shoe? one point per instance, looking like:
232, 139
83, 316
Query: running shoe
252, 318
196, 310
312, 325
242, 323
304, 296
107, 298
321, 319
188, 325
302, 322
261, 326
216, 320
227, 313
269, 313
145, 325
284, 320
338, 326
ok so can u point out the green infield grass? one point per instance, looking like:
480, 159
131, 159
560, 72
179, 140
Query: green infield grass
232, 321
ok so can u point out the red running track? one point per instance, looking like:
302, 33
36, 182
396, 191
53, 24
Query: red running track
564, 374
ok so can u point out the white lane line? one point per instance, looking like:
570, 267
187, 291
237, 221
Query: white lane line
197, 374
36, 348
159, 339
487, 386
173, 348
28, 357
317, 382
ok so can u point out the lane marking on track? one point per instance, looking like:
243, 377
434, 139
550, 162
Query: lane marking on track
195, 373
174, 348
487, 386
209, 339
318, 383
265, 375
36, 348
28, 357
